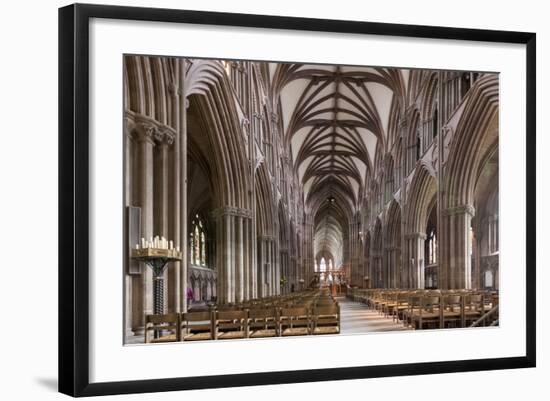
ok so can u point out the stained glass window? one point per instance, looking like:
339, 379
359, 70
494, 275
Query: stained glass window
323, 265
197, 242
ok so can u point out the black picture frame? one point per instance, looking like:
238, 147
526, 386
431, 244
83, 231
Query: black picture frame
74, 193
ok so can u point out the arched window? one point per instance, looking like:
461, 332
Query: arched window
488, 279
431, 248
323, 265
197, 242
430, 244
418, 147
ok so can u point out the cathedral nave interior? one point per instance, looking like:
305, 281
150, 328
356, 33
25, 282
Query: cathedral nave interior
296, 193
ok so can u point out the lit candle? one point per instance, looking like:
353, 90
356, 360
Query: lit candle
171, 244
142, 242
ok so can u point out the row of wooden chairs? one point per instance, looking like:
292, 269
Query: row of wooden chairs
421, 309
308, 299
249, 323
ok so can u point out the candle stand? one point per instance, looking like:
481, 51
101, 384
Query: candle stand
157, 259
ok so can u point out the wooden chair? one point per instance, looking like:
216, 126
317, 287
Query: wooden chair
326, 319
324, 301
473, 308
452, 310
295, 321
196, 326
401, 304
263, 323
162, 328
423, 310
230, 324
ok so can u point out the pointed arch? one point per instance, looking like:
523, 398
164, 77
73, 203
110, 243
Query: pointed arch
420, 193
476, 136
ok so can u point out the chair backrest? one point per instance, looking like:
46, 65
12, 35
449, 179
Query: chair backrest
415, 300
263, 313
431, 301
231, 321
474, 299
196, 316
230, 314
327, 310
168, 319
452, 300
294, 313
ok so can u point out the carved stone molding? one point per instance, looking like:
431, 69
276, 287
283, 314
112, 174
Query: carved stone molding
462, 209
164, 137
231, 211
144, 132
143, 128
245, 123
259, 160
422, 236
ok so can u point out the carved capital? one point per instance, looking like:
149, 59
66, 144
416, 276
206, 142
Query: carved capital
420, 236
164, 137
173, 90
461, 209
144, 132
231, 211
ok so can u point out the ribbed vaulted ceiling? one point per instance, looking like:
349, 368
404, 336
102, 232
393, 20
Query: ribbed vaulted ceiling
335, 118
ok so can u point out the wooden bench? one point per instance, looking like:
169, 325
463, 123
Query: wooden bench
196, 326
263, 322
326, 319
230, 324
295, 321
162, 328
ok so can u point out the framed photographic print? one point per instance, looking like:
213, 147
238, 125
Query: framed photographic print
250, 199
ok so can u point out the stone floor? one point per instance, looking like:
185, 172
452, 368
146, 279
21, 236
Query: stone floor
357, 318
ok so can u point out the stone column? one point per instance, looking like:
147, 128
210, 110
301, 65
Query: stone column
129, 176
261, 268
143, 294
390, 268
228, 265
458, 241
269, 259
233, 253
163, 139
308, 250
182, 134
246, 259
276, 268
417, 259
252, 255
220, 282
239, 280
174, 275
